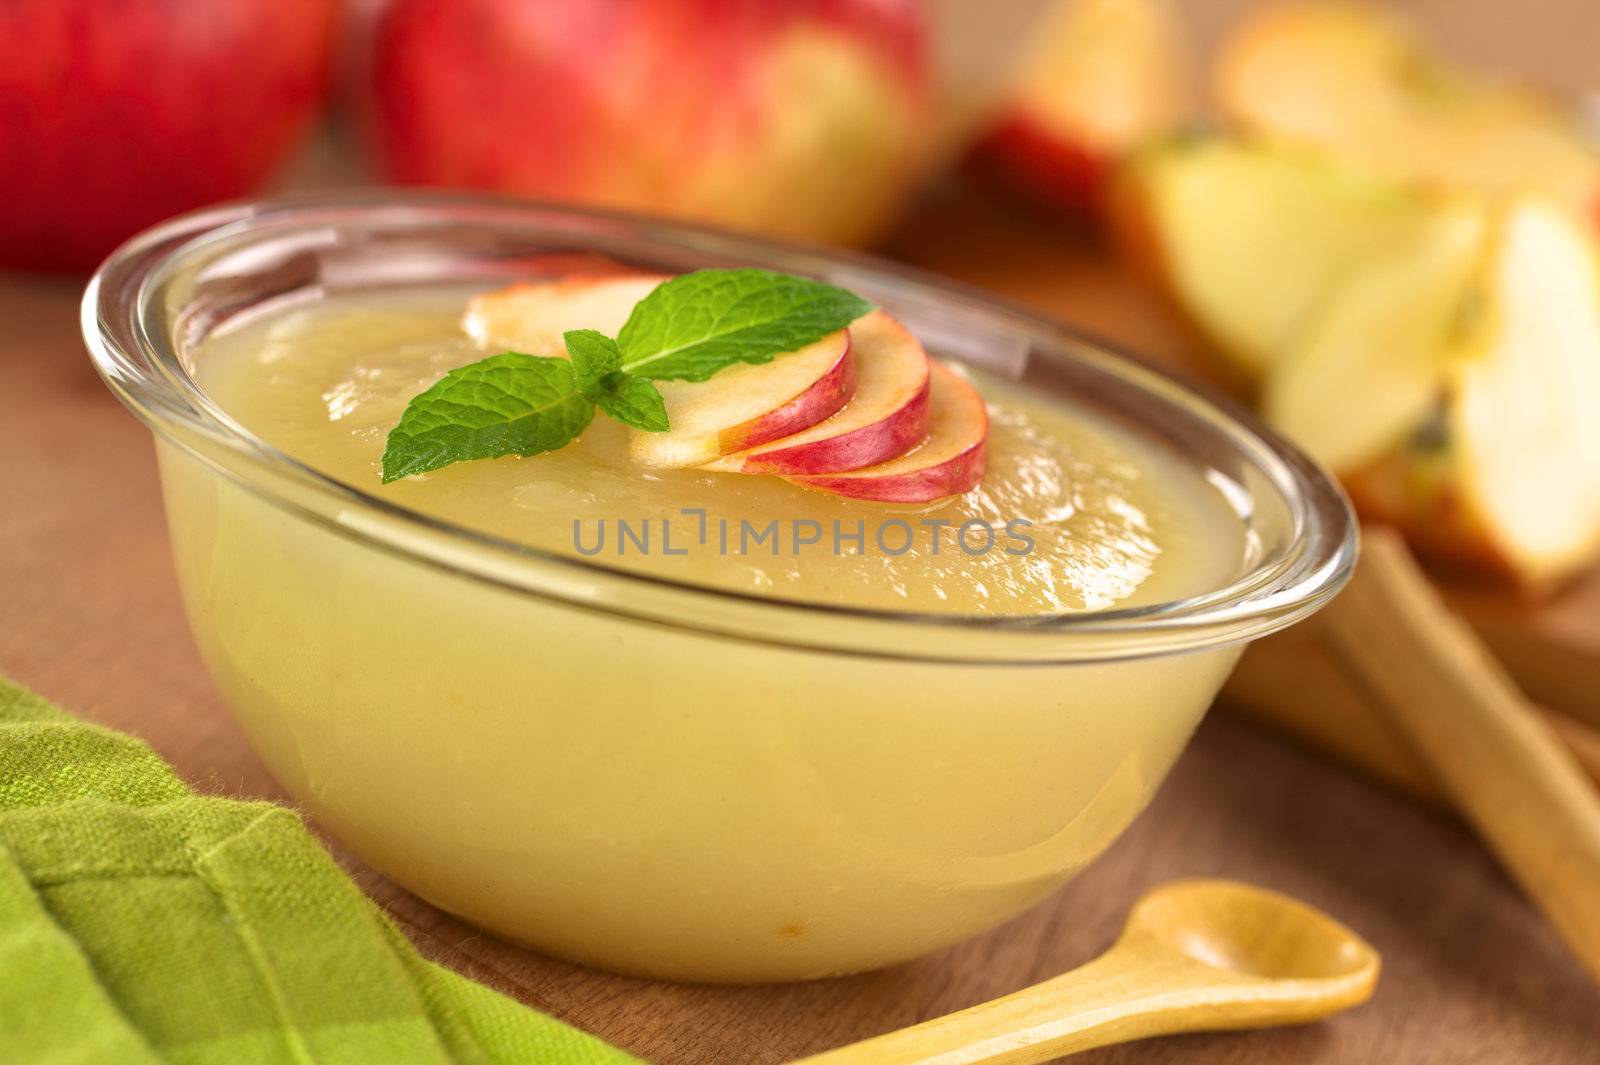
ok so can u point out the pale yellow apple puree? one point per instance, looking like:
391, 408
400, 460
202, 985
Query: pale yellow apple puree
657, 799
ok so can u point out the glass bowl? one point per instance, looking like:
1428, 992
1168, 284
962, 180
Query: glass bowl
747, 789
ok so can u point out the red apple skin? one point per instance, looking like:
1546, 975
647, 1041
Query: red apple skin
115, 114
825, 396
800, 118
904, 480
822, 400
866, 446
950, 478
889, 410
1046, 164
1102, 76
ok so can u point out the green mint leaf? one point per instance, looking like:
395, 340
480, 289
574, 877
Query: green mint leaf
634, 401
594, 357
510, 404
690, 327
596, 362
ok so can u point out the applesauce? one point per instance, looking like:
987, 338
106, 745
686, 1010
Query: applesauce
736, 766
1074, 513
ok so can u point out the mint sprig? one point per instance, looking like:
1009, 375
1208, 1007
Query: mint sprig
597, 366
687, 329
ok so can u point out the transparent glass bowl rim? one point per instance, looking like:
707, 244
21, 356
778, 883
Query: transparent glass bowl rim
128, 341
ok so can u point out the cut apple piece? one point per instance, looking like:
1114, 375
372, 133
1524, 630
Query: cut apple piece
1526, 411
1370, 365
1248, 237
532, 317
1501, 471
1102, 77
949, 462
887, 416
742, 406
1353, 80
749, 404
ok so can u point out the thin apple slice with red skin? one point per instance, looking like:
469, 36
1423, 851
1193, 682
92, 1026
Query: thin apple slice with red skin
749, 404
887, 416
949, 462
743, 406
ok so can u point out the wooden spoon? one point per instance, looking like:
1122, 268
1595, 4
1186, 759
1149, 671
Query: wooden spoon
1196, 955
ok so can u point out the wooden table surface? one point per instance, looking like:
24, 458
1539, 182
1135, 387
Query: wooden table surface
89, 616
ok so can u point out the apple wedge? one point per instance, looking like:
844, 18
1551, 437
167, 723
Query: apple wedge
1356, 82
1102, 77
886, 417
1369, 365
1499, 469
743, 406
1247, 237
949, 462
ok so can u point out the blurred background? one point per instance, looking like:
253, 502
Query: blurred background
1377, 222
116, 112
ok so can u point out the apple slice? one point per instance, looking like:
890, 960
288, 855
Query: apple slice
1355, 81
1523, 406
887, 416
743, 406
1248, 237
1372, 360
531, 317
749, 404
1499, 469
950, 461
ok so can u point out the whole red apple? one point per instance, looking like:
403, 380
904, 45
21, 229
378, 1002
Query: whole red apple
801, 118
115, 114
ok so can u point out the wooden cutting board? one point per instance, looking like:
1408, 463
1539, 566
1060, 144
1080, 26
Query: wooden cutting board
89, 616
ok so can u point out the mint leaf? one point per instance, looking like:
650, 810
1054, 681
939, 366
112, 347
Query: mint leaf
596, 362
510, 404
594, 357
690, 327
634, 401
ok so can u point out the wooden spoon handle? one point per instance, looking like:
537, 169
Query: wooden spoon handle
1504, 766
1138, 988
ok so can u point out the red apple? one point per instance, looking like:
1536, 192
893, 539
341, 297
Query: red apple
887, 415
1103, 77
950, 461
115, 114
801, 118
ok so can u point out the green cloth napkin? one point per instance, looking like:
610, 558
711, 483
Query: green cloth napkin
141, 923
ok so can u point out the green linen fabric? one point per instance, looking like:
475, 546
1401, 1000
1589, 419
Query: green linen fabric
141, 923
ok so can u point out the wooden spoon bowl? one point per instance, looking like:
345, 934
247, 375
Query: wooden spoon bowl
1251, 932
1195, 955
